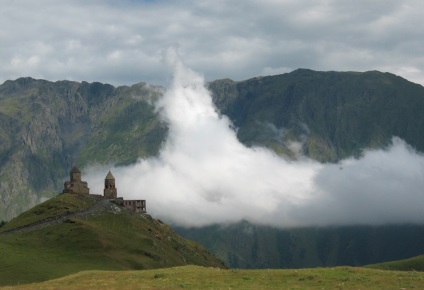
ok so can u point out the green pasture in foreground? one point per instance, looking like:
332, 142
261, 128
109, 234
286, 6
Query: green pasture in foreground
198, 277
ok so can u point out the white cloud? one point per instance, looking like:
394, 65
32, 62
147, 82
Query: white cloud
80, 39
384, 186
204, 175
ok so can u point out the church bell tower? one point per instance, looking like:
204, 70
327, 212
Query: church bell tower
110, 190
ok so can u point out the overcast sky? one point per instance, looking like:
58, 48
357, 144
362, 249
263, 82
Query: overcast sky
122, 42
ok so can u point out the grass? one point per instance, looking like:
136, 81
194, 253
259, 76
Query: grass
197, 277
50, 253
59, 205
103, 251
412, 264
112, 239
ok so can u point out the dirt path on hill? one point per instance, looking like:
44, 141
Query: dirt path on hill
100, 205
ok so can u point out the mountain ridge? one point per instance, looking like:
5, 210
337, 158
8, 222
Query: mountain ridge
338, 113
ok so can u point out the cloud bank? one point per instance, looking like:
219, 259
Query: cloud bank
120, 42
204, 175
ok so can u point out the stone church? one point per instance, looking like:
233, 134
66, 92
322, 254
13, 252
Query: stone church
76, 186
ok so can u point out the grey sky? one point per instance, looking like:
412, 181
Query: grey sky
121, 42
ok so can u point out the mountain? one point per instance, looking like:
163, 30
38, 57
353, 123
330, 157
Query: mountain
245, 245
47, 127
334, 114
70, 233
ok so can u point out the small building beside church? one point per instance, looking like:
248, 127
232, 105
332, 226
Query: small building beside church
76, 186
135, 205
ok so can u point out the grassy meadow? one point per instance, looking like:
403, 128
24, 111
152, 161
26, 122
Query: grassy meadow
59, 205
411, 264
198, 277
111, 239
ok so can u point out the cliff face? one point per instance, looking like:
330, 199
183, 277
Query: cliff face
47, 127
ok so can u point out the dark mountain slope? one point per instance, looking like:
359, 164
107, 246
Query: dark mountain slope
245, 245
336, 114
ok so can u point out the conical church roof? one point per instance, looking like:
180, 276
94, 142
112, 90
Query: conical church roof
109, 176
75, 170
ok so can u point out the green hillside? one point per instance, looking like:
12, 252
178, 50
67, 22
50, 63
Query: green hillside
57, 206
196, 277
411, 264
106, 238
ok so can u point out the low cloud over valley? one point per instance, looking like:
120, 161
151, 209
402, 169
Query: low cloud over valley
204, 175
